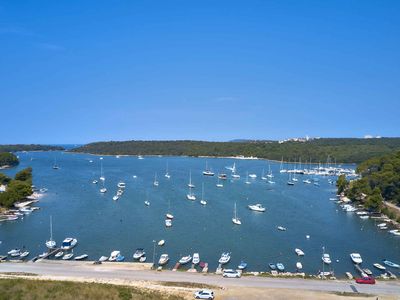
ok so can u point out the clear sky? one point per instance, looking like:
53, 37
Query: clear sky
83, 71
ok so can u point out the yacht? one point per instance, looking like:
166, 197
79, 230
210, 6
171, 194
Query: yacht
290, 182
299, 252
185, 259
121, 185
202, 201
262, 175
190, 196
161, 243
225, 258
232, 169
55, 166
391, 264
257, 207
115, 198
219, 184
103, 190
222, 176
167, 175
147, 203
139, 253
102, 178
356, 258
190, 184
281, 228
51, 244
140, 157
235, 219
326, 258
164, 258
155, 183
69, 243
168, 222
169, 216
247, 178
253, 176
307, 181
196, 258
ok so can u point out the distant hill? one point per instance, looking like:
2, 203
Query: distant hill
28, 147
344, 150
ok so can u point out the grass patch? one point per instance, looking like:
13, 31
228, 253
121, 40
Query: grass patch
25, 289
18, 273
191, 285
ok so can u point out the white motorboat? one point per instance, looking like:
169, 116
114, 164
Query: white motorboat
114, 255
326, 258
103, 258
143, 258
24, 254
168, 222
14, 252
164, 258
253, 176
169, 216
161, 243
379, 266
147, 203
235, 176
81, 257
235, 218
121, 185
203, 202
185, 259
95, 181
103, 190
256, 207
225, 258
139, 253
196, 258
59, 254
115, 198
299, 252
140, 157
67, 256
69, 243
356, 258
299, 266
281, 228
307, 181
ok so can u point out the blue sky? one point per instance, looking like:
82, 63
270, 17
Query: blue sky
83, 71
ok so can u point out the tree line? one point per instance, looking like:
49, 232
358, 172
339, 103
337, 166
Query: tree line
8, 159
17, 189
343, 150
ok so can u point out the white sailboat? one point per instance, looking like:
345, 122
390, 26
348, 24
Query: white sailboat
235, 219
51, 244
55, 166
202, 201
219, 184
168, 215
247, 178
208, 172
103, 189
102, 178
167, 175
262, 175
190, 184
155, 183
282, 170
190, 196
270, 175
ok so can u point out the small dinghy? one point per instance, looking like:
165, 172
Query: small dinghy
81, 257
103, 258
147, 203
139, 253
164, 258
185, 259
299, 252
68, 256
280, 267
299, 266
391, 264
59, 254
24, 254
242, 265
120, 258
379, 266
142, 259
272, 266
161, 243
281, 228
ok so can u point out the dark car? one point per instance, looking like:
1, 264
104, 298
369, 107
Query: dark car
366, 280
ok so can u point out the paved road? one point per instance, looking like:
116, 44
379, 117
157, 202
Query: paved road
110, 272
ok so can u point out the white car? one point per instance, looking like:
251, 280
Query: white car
204, 294
229, 273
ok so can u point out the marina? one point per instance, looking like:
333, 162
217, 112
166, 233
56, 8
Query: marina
306, 217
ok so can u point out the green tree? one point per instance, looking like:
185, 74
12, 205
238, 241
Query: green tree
341, 183
375, 200
24, 175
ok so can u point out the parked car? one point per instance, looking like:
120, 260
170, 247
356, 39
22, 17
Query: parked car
229, 273
366, 280
204, 294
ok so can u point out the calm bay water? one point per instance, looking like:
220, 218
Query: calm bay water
102, 225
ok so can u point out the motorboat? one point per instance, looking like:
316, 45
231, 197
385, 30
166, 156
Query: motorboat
147, 203
356, 258
103, 190
69, 243
280, 267
169, 216
242, 265
113, 255
203, 202
307, 181
326, 258
253, 176
103, 258
140, 157
81, 257
164, 258
168, 222
257, 207
222, 176
281, 228
121, 185
299, 265
225, 258
367, 271
235, 176
185, 259
14, 252
299, 252
272, 266
379, 266
120, 258
191, 196
139, 253
67, 256
115, 198
391, 264
44, 254
59, 254
143, 258
161, 243
24, 254
196, 258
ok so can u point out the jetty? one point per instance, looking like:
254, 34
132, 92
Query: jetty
361, 271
